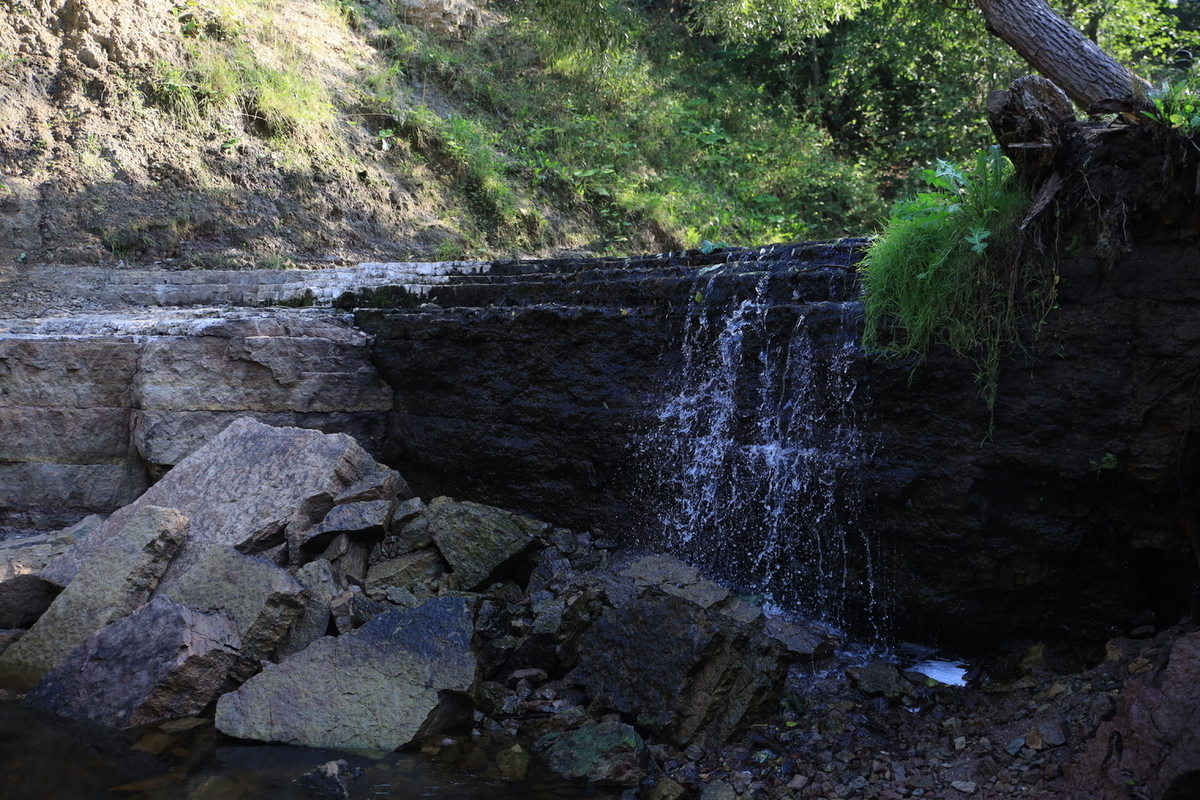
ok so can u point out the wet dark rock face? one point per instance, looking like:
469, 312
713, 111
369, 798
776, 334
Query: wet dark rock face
1078, 514
531, 387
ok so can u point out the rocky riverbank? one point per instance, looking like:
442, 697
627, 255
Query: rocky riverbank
279, 585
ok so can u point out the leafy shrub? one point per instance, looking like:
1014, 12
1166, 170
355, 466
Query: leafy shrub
1177, 105
948, 270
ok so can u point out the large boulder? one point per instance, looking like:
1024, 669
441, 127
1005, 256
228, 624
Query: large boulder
260, 598
599, 752
402, 676
115, 577
247, 488
162, 662
688, 675
476, 539
313, 620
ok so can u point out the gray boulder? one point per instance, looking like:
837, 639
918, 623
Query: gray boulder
261, 599
26, 554
882, 679
802, 643
364, 518
409, 531
347, 557
690, 676
404, 572
404, 675
676, 577
604, 752
313, 620
162, 662
246, 488
115, 577
476, 539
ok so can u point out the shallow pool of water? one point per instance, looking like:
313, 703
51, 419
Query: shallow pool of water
48, 758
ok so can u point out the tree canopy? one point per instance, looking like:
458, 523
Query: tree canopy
897, 83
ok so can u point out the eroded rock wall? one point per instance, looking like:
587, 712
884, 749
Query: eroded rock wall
1069, 511
93, 409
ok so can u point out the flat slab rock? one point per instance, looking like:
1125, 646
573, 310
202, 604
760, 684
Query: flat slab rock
164, 661
402, 676
246, 488
115, 577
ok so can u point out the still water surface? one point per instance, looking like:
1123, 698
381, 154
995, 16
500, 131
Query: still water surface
46, 758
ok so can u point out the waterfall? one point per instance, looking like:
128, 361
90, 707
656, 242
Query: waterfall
756, 455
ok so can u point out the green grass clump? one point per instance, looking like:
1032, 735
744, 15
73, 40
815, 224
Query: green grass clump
1177, 105
948, 270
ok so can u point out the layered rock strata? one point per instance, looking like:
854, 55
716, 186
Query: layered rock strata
93, 409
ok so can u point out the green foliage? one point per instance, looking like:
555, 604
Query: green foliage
934, 275
785, 20
1106, 464
897, 85
277, 95
646, 133
1177, 105
174, 92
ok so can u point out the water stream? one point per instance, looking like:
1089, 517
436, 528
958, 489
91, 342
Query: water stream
757, 454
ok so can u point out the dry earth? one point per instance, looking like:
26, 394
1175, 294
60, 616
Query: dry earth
103, 164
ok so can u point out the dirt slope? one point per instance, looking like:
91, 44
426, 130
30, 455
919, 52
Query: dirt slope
110, 154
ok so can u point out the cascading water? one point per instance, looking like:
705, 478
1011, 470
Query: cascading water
757, 453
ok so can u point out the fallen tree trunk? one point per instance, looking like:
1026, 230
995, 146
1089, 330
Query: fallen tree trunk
1055, 48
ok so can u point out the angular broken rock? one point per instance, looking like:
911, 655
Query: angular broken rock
802, 643
366, 518
883, 679
246, 488
313, 620
476, 539
115, 577
347, 558
26, 554
403, 572
23, 599
404, 675
605, 752
164, 661
687, 675
260, 598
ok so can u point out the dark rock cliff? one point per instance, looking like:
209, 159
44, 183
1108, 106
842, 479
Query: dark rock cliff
532, 386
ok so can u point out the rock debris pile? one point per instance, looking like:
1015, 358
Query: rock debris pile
285, 581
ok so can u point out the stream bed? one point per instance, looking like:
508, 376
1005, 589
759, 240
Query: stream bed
50, 758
